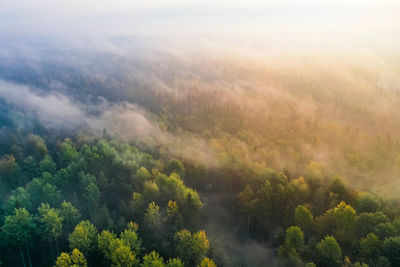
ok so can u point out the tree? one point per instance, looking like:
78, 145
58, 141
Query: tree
19, 198
42, 191
313, 170
175, 166
346, 219
367, 223
245, 200
9, 171
35, 146
191, 247
367, 202
83, 237
47, 165
370, 247
119, 251
18, 230
289, 253
130, 238
30, 166
304, 218
294, 238
151, 191
329, 252
174, 218
153, 259
70, 216
51, 226
176, 262
339, 189
385, 230
206, 262
67, 153
122, 256
152, 217
73, 259
92, 196
141, 175
108, 243
391, 250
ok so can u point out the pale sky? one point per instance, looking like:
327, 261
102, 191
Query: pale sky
246, 20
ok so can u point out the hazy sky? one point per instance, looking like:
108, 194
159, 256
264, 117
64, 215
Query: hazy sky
344, 21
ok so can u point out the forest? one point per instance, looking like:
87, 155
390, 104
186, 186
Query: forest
139, 152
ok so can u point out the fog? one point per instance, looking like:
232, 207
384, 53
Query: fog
233, 87
206, 103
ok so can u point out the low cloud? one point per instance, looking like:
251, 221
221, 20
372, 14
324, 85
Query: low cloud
54, 109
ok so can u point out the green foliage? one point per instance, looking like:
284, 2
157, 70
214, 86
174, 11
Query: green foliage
341, 222
206, 262
67, 153
152, 217
304, 218
289, 253
73, 259
18, 228
108, 243
19, 198
47, 165
176, 262
122, 256
370, 247
367, 202
329, 252
368, 222
153, 259
313, 170
175, 166
294, 238
83, 237
42, 191
109, 185
9, 171
35, 146
51, 222
121, 251
346, 219
191, 247
70, 215
130, 238
391, 250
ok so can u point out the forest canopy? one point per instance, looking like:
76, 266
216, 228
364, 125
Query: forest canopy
144, 158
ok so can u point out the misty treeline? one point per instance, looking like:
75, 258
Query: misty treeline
203, 161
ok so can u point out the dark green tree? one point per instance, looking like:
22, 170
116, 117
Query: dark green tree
17, 231
329, 252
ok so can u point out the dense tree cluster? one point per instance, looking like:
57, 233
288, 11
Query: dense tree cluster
259, 152
315, 222
96, 203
